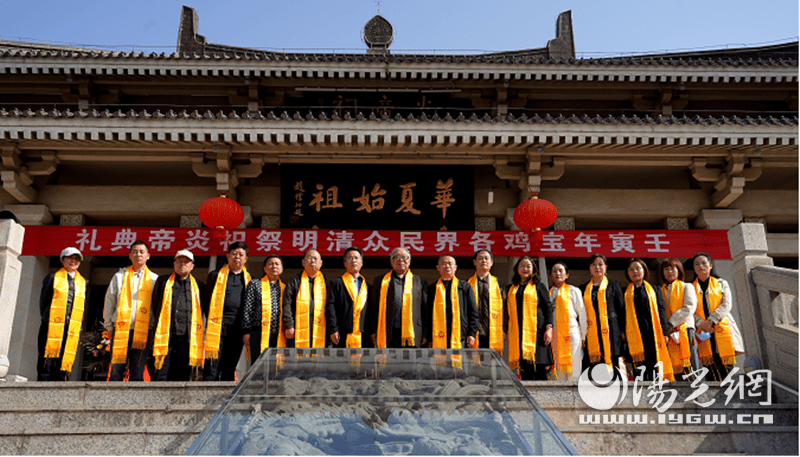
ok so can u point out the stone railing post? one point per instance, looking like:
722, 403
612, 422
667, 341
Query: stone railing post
11, 236
23, 349
748, 245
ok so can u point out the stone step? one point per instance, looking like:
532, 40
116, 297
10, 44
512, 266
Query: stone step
566, 394
669, 433
98, 418
99, 440
686, 416
666, 440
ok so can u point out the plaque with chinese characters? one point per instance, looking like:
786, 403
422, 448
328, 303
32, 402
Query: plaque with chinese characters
377, 196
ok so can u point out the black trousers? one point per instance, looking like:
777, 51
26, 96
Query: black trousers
176, 363
366, 341
532, 371
483, 342
223, 368
138, 359
49, 369
255, 343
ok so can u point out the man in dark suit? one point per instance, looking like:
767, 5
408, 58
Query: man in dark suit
348, 302
440, 307
399, 297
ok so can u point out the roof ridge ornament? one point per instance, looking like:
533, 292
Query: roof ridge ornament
378, 34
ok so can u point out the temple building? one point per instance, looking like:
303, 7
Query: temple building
312, 145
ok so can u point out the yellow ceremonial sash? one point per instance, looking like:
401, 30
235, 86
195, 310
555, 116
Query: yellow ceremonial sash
592, 339
495, 312
119, 351
266, 316
679, 353
407, 311
58, 312
301, 323
161, 339
635, 345
359, 302
530, 303
214, 325
563, 345
440, 319
722, 331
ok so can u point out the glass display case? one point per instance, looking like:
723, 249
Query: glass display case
380, 401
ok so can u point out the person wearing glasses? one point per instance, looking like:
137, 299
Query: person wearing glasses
396, 318
304, 301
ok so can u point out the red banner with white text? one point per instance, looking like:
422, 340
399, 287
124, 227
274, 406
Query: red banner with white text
46, 240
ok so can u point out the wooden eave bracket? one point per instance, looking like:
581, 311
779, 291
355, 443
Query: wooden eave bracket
221, 169
251, 170
552, 172
16, 179
18, 184
46, 167
505, 171
730, 183
11, 158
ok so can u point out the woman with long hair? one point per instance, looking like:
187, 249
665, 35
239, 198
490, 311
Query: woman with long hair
713, 317
605, 316
531, 317
570, 328
681, 303
646, 330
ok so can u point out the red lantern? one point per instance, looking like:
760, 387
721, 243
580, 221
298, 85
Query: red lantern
221, 214
535, 214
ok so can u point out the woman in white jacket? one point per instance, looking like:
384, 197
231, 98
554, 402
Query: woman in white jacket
713, 316
681, 304
570, 328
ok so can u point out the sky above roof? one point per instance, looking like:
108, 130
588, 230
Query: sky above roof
601, 28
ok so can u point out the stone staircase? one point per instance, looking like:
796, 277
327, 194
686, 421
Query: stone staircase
616, 431
99, 418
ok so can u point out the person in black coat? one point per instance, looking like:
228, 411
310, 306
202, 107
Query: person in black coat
637, 273
49, 368
312, 265
176, 362
392, 303
468, 309
615, 312
340, 306
526, 275
252, 315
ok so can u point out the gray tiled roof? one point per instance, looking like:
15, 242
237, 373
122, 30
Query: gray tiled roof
784, 55
460, 118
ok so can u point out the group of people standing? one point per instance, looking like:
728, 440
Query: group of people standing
174, 324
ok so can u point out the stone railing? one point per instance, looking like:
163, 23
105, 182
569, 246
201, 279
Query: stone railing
767, 300
777, 299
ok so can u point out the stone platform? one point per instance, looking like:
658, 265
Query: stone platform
98, 418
